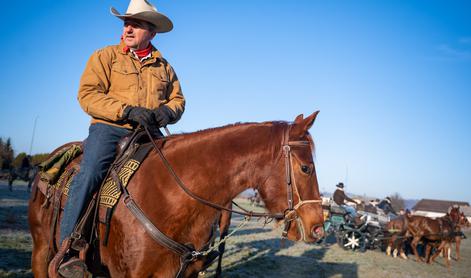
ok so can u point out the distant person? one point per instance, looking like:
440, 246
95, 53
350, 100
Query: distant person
26, 162
371, 208
386, 206
374, 202
340, 198
402, 213
25, 166
408, 212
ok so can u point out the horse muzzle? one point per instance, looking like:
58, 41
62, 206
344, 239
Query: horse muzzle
317, 232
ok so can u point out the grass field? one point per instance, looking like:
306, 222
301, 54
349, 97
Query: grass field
254, 251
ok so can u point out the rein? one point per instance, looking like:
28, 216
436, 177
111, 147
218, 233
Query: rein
187, 252
180, 183
290, 181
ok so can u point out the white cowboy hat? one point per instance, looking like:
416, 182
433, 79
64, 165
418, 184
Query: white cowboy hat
143, 10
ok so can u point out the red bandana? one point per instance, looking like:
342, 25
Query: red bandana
144, 52
141, 53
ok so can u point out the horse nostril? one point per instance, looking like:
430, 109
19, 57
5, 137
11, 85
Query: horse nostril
318, 231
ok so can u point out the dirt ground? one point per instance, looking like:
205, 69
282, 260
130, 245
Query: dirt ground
254, 251
15, 239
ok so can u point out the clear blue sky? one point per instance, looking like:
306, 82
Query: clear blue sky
392, 80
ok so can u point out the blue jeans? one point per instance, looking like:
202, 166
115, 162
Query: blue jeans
99, 152
350, 210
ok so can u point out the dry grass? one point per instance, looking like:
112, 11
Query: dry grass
255, 251
15, 239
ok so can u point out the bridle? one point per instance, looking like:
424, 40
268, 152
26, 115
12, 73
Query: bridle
188, 253
290, 213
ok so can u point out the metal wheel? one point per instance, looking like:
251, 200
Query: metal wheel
353, 240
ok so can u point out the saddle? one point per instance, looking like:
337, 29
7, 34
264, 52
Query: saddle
55, 177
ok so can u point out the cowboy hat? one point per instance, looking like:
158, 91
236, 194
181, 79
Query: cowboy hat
340, 185
144, 10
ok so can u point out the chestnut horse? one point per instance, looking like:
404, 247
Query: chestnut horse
463, 223
276, 158
453, 218
438, 232
397, 229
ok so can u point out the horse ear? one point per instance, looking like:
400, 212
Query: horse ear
301, 126
299, 118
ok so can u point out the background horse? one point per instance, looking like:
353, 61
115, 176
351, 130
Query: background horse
436, 232
276, 158
24, 174
397, 229
451, 219
462, 224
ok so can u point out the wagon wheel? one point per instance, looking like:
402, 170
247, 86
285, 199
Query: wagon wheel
353, 240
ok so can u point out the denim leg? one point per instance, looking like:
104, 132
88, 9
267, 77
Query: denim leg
350, 210
98, 154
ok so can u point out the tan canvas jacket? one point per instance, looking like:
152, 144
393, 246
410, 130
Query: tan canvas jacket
114, 79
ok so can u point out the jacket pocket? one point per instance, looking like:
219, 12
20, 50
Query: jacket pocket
123, 78
160, 85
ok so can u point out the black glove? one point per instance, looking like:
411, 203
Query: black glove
139, 115
163, 115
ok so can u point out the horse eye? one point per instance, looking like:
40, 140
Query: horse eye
305, 169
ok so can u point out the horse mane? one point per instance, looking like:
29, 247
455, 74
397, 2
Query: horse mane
224, 127
212, 130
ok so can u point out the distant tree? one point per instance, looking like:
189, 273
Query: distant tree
397, 201
38, 158
1, 152
6, 154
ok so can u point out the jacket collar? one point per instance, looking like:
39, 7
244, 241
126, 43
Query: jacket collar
156, 55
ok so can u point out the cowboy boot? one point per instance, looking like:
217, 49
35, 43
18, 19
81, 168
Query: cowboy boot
66, 264
54, 264
403, 255
395, 253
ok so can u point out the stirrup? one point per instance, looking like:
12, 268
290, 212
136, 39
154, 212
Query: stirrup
55, 262
74, 268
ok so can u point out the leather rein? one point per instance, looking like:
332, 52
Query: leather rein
188, 253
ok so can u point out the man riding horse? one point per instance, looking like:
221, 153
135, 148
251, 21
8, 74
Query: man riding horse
122, 87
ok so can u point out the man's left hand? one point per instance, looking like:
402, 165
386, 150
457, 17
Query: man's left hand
162, 115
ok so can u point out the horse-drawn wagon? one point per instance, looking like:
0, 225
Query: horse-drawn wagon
350, 236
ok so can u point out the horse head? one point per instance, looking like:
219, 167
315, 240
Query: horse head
454, 215
293, 187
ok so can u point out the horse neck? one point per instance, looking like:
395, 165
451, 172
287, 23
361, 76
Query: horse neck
216, 166
235, 158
